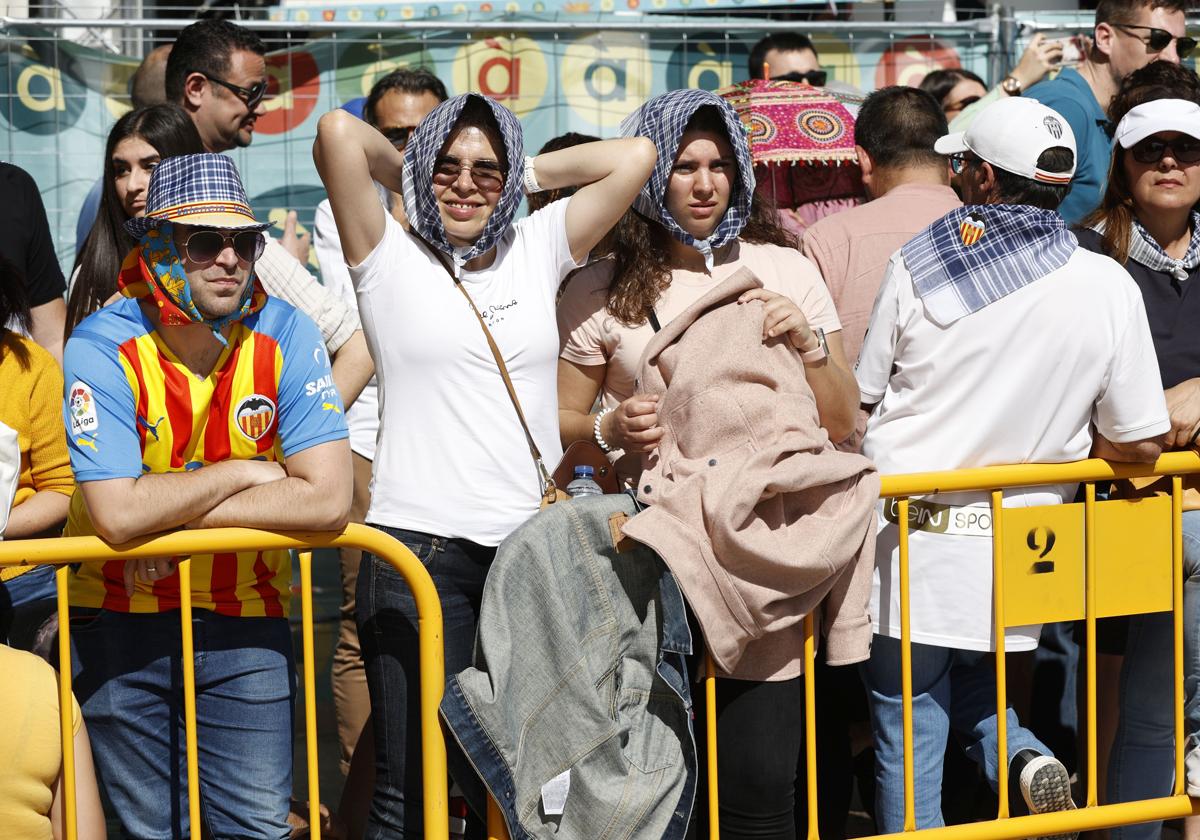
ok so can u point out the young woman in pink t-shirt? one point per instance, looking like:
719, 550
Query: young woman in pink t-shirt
695, 223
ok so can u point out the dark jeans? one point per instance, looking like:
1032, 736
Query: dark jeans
760, 731
387, 630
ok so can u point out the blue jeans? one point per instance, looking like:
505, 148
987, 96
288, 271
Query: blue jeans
952, 690
387, 632
25, 602
129, 681
1142, 763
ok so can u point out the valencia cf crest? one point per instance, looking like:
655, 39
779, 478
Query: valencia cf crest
254, 416
971, 229
1054, 127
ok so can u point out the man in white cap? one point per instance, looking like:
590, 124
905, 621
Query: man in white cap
979, 353
196, 401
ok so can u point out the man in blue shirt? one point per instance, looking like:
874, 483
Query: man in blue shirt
1129, 34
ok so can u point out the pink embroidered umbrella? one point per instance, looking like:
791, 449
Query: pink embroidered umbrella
801, 141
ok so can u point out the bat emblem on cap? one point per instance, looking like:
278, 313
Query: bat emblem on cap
971, 229
1053, 126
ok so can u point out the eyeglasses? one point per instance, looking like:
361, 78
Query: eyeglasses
816, 78
487, 174
1159, 39
398, 135
960, 105
959, 161
204, 246
252, 96
1153, 149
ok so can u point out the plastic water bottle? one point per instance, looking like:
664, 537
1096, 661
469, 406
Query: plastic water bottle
584, 485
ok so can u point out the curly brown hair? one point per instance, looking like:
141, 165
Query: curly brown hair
641, 248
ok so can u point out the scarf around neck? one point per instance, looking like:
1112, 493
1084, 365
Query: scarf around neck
1145, 250
977, 254
154, 269
663, 120
421, 154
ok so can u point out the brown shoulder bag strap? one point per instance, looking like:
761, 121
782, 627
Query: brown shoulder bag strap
549, 487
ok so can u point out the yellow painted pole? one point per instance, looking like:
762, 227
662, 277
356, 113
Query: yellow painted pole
710, 724
310, 696
1177, 615
1089, 557
496, 829
910, 799
65, 704
810, 724
1001, 664
189, 691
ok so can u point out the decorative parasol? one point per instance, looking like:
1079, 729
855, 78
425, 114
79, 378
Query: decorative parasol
801, 141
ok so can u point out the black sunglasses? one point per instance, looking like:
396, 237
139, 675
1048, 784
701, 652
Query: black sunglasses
1159, 39
1153, 149
487, 175
252, 96
960, 104
204, 246
398, 135
816, 78
959, 161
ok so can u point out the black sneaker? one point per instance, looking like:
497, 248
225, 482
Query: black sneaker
1041, 784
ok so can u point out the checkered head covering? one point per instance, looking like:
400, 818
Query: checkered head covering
421, 154
203, 190
663, 119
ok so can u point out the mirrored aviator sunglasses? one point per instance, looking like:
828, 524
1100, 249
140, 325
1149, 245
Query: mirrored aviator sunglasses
1151, 150
204, 246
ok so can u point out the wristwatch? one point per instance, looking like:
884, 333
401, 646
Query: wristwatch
821, 351
1011, 86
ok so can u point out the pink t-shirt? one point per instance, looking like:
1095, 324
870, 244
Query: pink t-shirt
589, 335
851, 249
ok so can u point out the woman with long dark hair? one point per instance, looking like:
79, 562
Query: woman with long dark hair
695, 224
136, 144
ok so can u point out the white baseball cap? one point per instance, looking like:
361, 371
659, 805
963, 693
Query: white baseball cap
1158, 115
1011, 134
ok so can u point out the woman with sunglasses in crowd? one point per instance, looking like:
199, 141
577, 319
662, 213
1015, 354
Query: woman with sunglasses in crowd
696, 223
1148, 222
453, 473
136, 144
962, 94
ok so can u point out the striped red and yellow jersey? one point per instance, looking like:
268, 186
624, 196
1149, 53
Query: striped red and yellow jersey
131, 408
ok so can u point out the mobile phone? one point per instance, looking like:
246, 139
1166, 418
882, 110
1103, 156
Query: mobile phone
1072, 48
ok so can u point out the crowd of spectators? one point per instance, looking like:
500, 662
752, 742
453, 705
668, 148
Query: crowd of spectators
1012, 288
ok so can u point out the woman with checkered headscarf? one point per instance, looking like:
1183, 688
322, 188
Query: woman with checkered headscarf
453, 473
696, 222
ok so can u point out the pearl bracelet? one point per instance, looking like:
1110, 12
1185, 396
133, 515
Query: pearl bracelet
604, 447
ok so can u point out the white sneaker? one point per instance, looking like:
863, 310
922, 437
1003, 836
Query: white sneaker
1191, 766
1045, 785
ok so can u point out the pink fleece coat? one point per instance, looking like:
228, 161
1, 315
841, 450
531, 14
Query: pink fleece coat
758, 516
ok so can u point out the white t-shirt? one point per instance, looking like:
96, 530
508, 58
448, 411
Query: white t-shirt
452, 459
363, 415
1020, 381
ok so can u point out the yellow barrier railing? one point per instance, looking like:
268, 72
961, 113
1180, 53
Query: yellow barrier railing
67, 550
996, 479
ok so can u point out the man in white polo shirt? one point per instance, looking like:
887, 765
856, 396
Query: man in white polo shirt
994, 340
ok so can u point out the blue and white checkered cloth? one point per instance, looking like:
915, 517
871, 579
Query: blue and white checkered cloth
419, 157
1018, 245
187, 185
663, 119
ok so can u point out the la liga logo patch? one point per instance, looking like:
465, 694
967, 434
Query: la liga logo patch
82, 409
971, 229
255, 415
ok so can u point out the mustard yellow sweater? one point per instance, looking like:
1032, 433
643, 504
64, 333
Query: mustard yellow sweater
31, 395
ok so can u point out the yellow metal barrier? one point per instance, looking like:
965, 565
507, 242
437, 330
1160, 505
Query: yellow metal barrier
60, 552
1097, 601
